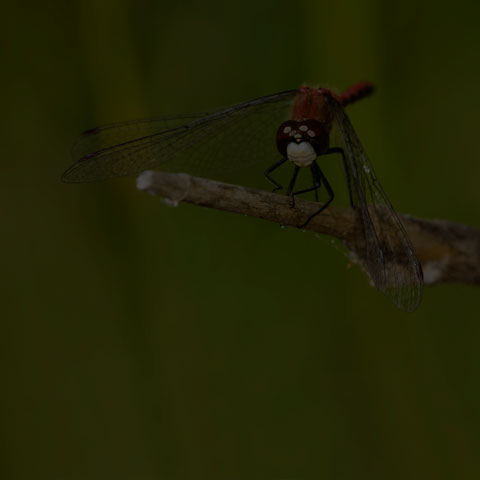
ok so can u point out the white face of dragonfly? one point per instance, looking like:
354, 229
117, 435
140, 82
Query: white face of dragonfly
301, 154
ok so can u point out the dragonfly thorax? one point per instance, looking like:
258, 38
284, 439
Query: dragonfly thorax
301, 142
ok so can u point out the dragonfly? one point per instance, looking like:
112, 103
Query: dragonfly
293, 128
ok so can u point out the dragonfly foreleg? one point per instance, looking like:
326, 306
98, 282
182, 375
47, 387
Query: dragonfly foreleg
320, 178
269, 170
316, 184
292, 184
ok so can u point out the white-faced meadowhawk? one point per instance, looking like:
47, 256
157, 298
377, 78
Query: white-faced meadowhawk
293, 127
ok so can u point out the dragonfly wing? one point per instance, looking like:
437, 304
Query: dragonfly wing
107, 136
386, 251
225, 141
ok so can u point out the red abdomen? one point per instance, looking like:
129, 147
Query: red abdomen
356, 92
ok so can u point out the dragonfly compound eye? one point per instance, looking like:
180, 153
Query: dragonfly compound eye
311, 134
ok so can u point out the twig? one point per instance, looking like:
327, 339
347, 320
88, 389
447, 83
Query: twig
448, 252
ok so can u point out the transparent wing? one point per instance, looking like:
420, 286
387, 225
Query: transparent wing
107, 136
204, 144
387, 253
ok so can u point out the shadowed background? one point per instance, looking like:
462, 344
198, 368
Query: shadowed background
141, 341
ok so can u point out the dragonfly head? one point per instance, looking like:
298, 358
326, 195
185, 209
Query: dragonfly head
301, 142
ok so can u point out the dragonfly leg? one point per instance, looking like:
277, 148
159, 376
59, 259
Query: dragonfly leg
346, 169
316, 184
269, 170
292, 184
320, 178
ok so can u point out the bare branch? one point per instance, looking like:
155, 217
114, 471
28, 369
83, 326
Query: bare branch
448, 252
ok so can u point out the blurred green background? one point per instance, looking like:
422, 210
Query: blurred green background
146, 342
